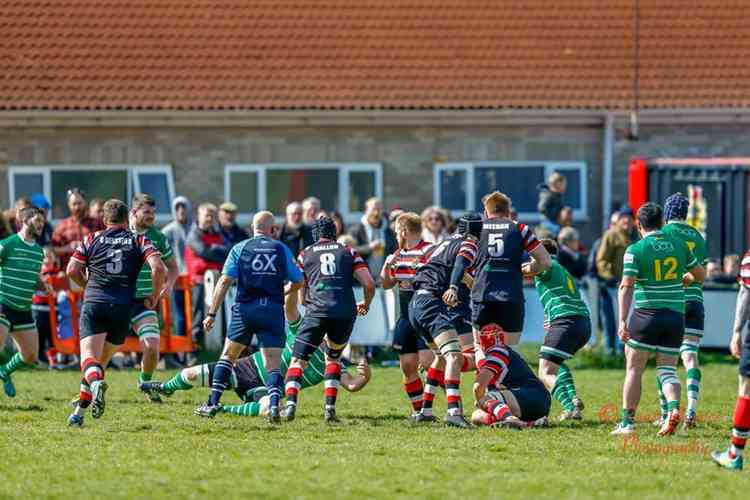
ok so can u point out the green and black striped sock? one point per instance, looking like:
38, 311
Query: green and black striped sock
561, 391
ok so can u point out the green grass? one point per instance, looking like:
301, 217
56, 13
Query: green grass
141, 450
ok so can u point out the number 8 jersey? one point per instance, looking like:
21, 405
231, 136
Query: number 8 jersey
114, 258
329, 269
658, 262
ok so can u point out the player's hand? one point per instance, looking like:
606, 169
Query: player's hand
527, 268
687, 279
623, 332
363, 369
362, 308
389, 261
735, 345
450, 297
208, 323
480, 395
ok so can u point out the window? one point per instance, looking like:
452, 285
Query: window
106, 181
461, 186
344, 188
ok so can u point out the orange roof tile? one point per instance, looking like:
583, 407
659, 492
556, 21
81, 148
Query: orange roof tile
371, 54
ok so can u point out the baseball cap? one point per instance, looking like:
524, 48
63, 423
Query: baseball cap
40, 201
228, 206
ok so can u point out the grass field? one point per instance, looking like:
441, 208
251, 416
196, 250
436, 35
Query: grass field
138, 450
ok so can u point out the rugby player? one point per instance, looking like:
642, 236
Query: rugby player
261, 265
506, 390
330, 311
436, 288
400, 270
20, 265
107, 264
497, 295
675, 213
731, 458
145, 321
568, 328
654, 267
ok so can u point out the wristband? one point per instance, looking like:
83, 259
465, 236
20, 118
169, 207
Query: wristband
453, 287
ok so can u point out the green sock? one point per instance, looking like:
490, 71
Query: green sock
628, 416
144, 377
294, 325
673, 405
244, 410
560, 390
662, 399
14, 364
177, 383
570, 385
693, 377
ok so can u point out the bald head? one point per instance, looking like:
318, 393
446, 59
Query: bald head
263, 223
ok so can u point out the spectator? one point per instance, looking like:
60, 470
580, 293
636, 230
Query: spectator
338, 220
176, 233
374, 238
4, 227
565, 219
609, 256
713, 270
205, 250
294, 233
42, 203
729, 273
71, 231
40, 306
551, 200
568, 253
392, 216
21, 203
310, 211
434, 225
231, 232
96, 209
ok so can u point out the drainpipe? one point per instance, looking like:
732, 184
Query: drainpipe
607, 155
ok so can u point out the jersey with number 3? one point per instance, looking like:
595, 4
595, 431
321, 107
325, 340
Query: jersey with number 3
435, 275
329, 269
114, 258
658, 262
498, 269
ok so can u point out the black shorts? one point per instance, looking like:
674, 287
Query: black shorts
246, 377
112, 319
406, 340
695, 318
138, 311
508, 315
534, 400
656, 330
462, 317
15, 320
312, 331
564, 337
430, 317
745, 357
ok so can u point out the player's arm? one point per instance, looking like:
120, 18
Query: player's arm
387, 281
172, 273
362, 274
624, 301
76, 269
539, 263
493, 367
742, 313
354, 383
158, 278
467, 255
293, 273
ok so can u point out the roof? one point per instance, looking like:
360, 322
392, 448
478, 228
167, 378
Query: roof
371, 54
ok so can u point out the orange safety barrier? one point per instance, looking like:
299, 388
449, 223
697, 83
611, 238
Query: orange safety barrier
170, 341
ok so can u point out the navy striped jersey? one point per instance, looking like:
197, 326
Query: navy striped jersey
498, 269
435, 275
406, 262
114, 258
744, 277
329, 269
508, 367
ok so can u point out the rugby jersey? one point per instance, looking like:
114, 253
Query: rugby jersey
559, 294
404, 266
435, 275
144, 287
695, 242
313, 373
744, 277
20, 264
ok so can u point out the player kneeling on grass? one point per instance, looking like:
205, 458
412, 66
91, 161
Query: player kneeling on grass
506, 390
731, 458
655, 267
568, 329
330, 269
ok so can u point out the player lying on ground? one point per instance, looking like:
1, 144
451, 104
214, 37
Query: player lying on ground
568, 328
655, 268
731, 458
20, 262
250, 377
107, 265
507, 392
675, 213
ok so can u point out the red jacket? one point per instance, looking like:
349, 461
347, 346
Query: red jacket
204, 250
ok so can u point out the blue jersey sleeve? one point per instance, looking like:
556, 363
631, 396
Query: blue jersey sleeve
293, 273
231, 266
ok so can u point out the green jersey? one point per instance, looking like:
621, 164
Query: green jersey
559, 294
20, 264
697, 245
144, 287
314, 371
658, 262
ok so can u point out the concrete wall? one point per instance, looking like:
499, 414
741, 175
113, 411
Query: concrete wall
408, 154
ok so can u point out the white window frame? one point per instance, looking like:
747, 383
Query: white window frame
132, 171
579, 214
344, 170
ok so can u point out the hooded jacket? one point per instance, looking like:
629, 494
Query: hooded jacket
176, 233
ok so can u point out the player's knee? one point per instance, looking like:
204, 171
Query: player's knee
150, 344
689, 359
426, 357
547, 368
409, 365
744, 389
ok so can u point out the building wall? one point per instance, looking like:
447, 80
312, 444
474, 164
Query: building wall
408, 155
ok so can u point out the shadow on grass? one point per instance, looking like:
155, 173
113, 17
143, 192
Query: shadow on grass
21, 408
379, 419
